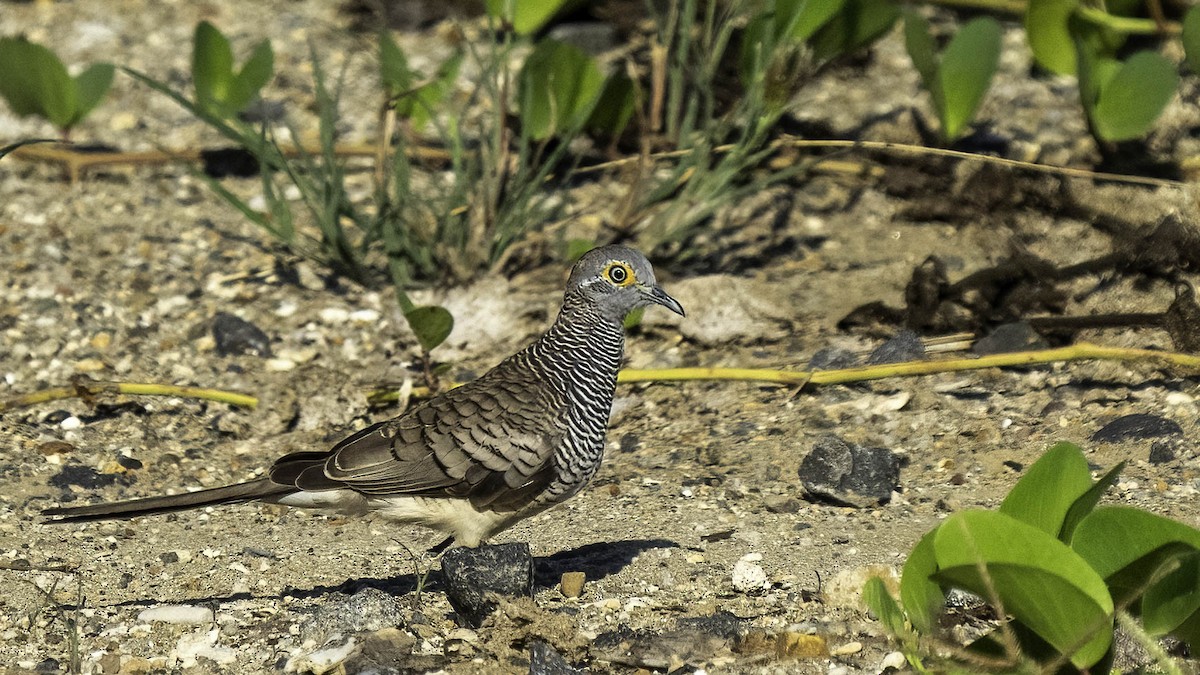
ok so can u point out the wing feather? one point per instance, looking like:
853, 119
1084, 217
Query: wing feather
491, 441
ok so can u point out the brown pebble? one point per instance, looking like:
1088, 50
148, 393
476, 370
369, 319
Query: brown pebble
110, 663
789, 645
55, 448
572, 584
101, 340
90, 365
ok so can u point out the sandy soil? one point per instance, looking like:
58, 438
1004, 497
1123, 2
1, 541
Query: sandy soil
118, 277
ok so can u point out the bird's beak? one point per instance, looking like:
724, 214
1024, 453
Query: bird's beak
660, 297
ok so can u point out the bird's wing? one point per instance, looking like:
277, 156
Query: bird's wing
492, 444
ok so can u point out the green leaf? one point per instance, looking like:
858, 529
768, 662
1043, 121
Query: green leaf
1050, 39
800, 19
558, 89
420, 107
255, 75
634, 318
393, 66
1140, 534
877, 598
1047, 491
35, 82
577, 247
922, 51
526, 16
614, 109
1172, 604
90, 86
1040, 581
1131, 101
857, 24
968, 65
1087, 502
431, 325
1191, 39
212, 68
922, 598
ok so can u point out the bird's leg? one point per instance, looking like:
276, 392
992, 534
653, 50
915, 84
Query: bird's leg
437, 549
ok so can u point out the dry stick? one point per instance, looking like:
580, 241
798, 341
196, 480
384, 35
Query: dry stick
78, 162
1082, 351
90, 389
1078, 352
902, 148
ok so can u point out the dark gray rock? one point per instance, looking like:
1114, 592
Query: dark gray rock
849, 474
472, 574
832, 358
368, 609
905, 346
1138, 425
235, 335
544, 660
1161, 452
1010, 337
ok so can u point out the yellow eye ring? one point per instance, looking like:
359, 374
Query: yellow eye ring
619, 273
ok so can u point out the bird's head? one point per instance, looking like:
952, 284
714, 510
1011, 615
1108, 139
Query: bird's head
617, 280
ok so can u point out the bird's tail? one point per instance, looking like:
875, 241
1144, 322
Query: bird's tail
230, 494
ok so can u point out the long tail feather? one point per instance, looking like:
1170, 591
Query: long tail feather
133, 508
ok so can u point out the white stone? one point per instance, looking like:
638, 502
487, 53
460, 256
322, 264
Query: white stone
322, 660
333, 315
894, 661
202, 644
749, 577
71, 423
364, 316
176, 614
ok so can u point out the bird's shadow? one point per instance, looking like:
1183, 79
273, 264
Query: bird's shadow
596, 561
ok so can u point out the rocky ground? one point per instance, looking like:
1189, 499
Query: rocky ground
699, 544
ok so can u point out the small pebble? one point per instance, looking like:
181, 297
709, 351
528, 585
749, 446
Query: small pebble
1161, 452
893, 661
71, 423
846, 649
333, 315
749, 577
183, 614
571, 584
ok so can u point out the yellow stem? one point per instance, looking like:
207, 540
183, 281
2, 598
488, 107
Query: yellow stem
91, 389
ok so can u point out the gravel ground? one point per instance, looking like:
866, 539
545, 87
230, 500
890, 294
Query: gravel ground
699, 545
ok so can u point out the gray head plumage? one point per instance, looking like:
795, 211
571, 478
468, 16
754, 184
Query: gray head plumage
616, 280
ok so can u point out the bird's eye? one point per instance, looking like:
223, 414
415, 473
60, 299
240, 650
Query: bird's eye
618, 274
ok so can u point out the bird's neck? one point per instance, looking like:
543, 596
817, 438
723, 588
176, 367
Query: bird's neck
587, 342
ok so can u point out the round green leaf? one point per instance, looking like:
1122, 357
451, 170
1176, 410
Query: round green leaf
558, 88
1191, 39
1046, 492
966, 71
526, 16
431, 325
1139, 533
1049, 37
90, 87
1172, 604
1134, 97
35, 82
800, 19
922, 598
1040, 581
212, 67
